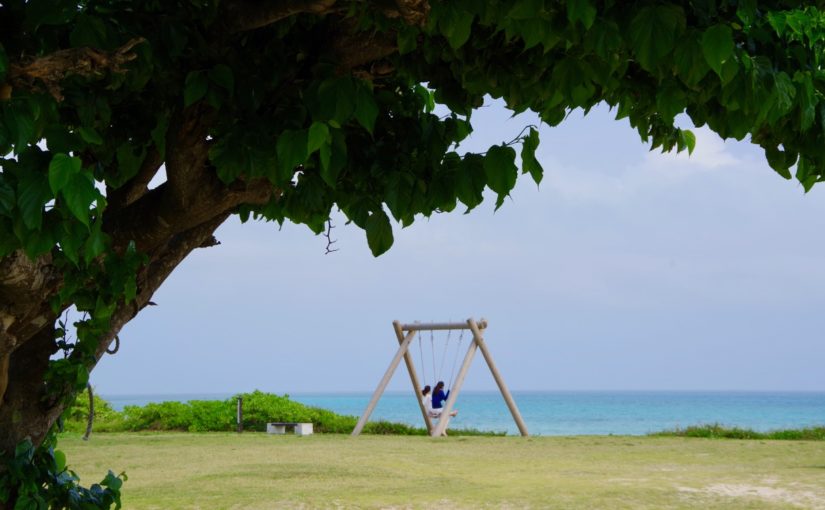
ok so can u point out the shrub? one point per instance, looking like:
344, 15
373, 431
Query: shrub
259, 408
717, 431
212, 416
158, 416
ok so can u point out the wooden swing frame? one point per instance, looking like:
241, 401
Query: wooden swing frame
405, 334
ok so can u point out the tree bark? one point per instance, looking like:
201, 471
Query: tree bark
27, 410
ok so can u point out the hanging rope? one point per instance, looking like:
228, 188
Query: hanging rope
432, 350
91, 419
455, 358
117, 346
421, 355
444, 356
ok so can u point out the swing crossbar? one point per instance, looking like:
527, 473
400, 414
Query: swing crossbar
440, 326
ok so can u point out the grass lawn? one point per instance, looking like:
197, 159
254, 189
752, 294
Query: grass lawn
257, 471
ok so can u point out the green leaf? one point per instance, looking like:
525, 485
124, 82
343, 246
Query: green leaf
59, 461
525, 9
33, 192
49, 12
670, 100
96, 243
38, 242
455, 25
82, 376
689, 60
366, 110
128, 162
500, 169
318, 137
6, 197
89, 135
89, 31
4, 64
336, 99
222, 76
80, 193
334, 158
71, 237
653, 32
8, 241
379, 232
581, 10
20, 122
529, 163
61, 170
324, 154
717, 46
159, 134
407, 39
778, 160
195, 87
426, 96
688, 139
292, 151
806, 97
470, 181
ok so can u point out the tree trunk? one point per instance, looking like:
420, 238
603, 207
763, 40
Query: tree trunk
27, 411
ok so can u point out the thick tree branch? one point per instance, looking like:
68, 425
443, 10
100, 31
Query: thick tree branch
49, 70
244, 15
150, 279
139, 184
355, 49
187, 154
414, 12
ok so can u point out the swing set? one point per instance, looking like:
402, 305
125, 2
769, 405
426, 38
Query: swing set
406, 334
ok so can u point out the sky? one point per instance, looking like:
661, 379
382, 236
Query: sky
624, 270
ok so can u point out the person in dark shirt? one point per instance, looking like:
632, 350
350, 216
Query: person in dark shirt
439, 397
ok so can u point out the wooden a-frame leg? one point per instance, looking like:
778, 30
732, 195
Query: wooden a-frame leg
508, 398
405, 345
413, 377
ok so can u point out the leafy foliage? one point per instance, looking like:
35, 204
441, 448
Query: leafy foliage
37, 478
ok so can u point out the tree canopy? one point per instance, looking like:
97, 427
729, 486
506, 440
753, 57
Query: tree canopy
285, 110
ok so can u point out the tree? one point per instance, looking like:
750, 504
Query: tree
283, 110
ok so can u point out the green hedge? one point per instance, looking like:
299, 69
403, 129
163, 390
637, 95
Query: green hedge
219, 415
717, 431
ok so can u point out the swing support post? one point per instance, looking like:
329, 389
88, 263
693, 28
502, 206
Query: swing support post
402, 349
413, 375
505, 392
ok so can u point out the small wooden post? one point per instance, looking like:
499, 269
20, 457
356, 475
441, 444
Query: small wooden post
402, 349
444, 419
508, 398
413, 377
239, 415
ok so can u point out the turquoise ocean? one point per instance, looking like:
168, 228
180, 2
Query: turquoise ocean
572, 412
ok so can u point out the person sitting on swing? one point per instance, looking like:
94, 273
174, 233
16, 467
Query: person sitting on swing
427, 399
438, 399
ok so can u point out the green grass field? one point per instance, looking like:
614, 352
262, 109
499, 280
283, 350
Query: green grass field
257, 471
